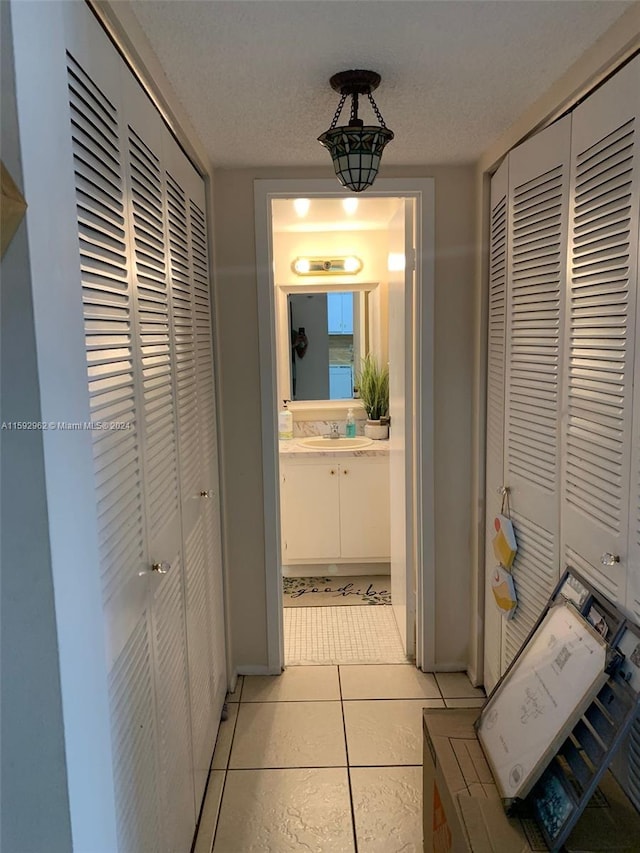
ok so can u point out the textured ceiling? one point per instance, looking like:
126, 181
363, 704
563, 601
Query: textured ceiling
253, 74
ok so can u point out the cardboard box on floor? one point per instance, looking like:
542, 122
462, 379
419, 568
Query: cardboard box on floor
463, 812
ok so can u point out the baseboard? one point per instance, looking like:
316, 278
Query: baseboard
257, 670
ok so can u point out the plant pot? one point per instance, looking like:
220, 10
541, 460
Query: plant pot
376, 429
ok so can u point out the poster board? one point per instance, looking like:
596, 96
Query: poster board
535, 706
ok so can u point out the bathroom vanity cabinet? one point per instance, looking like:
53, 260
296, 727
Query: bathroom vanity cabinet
335, 508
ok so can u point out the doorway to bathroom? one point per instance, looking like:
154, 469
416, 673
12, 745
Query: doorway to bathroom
341, 277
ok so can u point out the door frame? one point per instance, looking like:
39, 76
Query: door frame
422, 391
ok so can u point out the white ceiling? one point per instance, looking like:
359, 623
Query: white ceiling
253, 74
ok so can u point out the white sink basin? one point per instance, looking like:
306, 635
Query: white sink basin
317, 442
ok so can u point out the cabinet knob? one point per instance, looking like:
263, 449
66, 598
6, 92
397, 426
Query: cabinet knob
206, 493
346, 471
609, 559
332, 472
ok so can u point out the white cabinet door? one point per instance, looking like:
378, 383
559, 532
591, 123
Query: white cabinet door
310, 511
364, 509
495, 412
601, 311
536, 272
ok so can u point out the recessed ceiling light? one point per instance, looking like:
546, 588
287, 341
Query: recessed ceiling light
301, 206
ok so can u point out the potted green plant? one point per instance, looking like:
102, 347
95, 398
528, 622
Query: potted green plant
372, 382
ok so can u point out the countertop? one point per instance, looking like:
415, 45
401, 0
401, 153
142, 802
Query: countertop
292, 448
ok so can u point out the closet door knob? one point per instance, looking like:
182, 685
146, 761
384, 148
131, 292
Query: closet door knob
346, 471
206, 493
332, 472
156, 568
609, 559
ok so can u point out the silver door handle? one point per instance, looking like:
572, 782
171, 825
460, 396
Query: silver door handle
609, 559
156, 568
206, 493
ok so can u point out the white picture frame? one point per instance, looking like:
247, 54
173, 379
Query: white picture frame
535, 706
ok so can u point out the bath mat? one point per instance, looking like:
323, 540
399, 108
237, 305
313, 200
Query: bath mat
316, 592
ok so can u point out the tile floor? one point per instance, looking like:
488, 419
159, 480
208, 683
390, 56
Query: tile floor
341, 635
324, 759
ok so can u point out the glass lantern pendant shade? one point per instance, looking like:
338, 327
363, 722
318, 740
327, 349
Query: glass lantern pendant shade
356, 148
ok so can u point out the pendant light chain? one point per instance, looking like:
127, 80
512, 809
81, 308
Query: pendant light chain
354, 108
338, 111
376, 110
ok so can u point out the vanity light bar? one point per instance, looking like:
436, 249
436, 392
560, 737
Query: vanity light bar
349, 265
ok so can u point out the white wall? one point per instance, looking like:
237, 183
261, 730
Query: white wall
34, 804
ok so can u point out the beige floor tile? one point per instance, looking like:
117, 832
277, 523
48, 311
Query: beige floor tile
225, 737
208, 820
456, 685
285, 811
469, 702
387, 803
289, 734
387, 681
386, 731
295, 684
235, 696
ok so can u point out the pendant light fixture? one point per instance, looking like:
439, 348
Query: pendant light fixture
356, 148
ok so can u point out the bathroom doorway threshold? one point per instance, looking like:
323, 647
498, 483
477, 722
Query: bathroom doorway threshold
341, 635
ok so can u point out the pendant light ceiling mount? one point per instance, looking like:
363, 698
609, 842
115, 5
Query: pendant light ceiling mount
356, 148
355, 81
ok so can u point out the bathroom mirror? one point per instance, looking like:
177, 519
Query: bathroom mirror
325, 341
323, 333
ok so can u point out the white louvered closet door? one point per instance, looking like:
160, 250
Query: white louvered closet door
538, 226
187, 243
157, 395
100, 152
495, 412
143, 251
601, 311
633, 573
209, 438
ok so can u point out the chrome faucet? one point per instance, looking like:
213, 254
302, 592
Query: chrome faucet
335, 433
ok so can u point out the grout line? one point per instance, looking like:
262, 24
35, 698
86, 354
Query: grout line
226, 771
292, 767
346, 746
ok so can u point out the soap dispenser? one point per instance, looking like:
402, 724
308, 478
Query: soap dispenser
350, 431
285, 423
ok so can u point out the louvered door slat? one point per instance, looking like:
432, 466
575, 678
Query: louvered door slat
109, 332
495, 411
155, 346
185, 338
201, 687
600, 331
534, 309
174, 730
134, 744
535, 575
